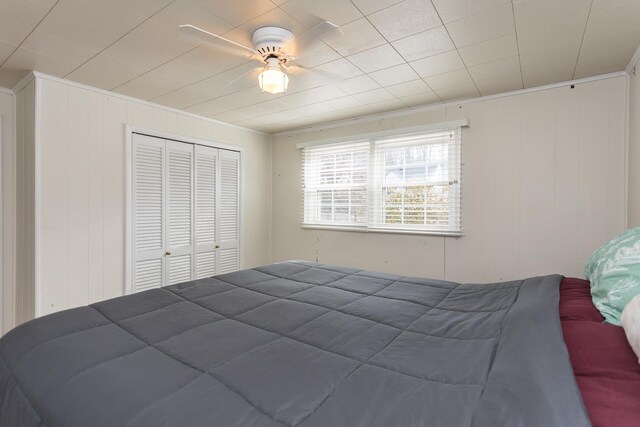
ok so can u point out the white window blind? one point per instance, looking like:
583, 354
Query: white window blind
407, 183
336, 185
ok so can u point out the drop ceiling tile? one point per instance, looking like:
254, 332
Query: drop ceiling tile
148, 86
182, 71
275, 106
357, 36
256, 110
64, 28
424, 44
454, 10
317, 54
311, 96
374, 96
5, 50
66, 50
232, 102
344, 102
501, 67
449, 79
438, 64
209, 60
376, 59
111, 18
188, 12
254, 97
150, 45
490, 50
463, 91
302, 81
394, 75
538, 61
425, 98
312, 110
369, 6
530, 14
606, 54
566, 33
623, 18
27, 59
207, 108
405, 19
144, 7
202, 91
410, 88
309, 12
231, 117
10, 78
553, 73
602, 4
243, 76
382, 106
358, 84
481, 27
237, 12
341, 68
504, 83
105, 72
20, 17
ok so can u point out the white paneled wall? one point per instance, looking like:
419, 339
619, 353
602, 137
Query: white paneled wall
24, 249
544, 181
7, 112
82, 189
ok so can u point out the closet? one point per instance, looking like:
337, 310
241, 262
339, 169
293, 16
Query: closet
185, 220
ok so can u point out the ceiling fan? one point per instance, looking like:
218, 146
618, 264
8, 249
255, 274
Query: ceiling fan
277, 49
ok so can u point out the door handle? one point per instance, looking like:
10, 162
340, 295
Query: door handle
167, 253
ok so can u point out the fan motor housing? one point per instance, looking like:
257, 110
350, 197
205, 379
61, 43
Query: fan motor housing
270, 41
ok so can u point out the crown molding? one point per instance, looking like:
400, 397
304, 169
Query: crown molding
431, 107
6, 90
634, 61
31, 75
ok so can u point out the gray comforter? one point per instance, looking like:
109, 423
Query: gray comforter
294, 344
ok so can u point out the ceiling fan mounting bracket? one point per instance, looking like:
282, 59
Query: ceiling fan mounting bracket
271, 41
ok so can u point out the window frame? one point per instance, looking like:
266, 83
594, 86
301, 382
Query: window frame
375, 185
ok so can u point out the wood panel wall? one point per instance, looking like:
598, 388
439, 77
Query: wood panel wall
82, 190
21, 289
543, 185
7, 111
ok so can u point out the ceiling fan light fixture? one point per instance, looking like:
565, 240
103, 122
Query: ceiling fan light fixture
273, 80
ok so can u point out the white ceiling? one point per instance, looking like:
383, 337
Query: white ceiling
394, 53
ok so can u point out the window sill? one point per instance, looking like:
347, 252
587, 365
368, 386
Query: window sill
382, 230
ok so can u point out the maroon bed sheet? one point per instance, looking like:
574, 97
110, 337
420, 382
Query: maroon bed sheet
605, 366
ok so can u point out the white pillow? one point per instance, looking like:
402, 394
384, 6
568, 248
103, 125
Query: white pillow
631, 324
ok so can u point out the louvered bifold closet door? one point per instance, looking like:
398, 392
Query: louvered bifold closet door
179, 212
206, 169
148, 219
228, 218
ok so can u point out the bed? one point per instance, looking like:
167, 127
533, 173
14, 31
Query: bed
305, 344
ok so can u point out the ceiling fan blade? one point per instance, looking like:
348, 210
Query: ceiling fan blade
323, 29
250, 73
325, 75
208, 37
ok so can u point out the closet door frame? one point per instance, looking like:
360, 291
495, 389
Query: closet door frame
129, 131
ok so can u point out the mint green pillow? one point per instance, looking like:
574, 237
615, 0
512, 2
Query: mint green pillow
614, 272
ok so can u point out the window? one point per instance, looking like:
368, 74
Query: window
409, 183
